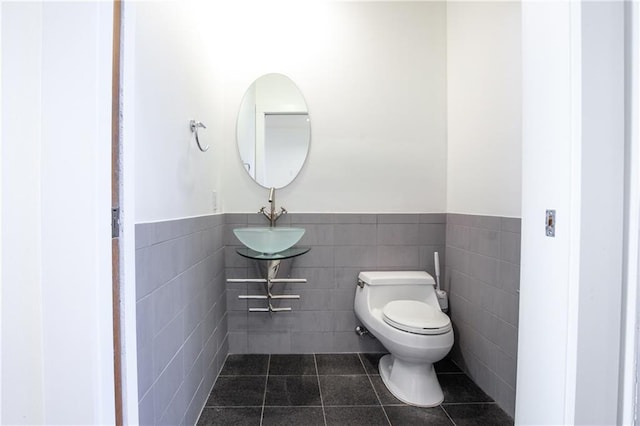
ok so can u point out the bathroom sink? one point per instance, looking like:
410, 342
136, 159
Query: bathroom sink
269, 240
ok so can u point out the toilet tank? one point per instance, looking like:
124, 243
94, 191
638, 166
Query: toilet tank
381, 287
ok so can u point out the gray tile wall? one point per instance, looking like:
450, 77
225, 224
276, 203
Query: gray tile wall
181, 316
483, 276
342, 245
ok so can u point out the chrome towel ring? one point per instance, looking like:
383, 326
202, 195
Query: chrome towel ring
194, 125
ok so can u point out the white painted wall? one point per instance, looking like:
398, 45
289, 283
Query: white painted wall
547, 278
484, 104
573, 145
174, 82
57, 351
22, 386
602, 190
376, 97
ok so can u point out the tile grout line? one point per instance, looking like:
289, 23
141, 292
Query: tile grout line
315, 362
374, 389
447, 414
266, 382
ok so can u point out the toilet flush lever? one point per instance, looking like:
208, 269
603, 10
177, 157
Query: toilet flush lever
360, 283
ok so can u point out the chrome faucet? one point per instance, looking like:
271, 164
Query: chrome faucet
272, 216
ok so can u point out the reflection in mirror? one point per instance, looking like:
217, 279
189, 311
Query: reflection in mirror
273, 131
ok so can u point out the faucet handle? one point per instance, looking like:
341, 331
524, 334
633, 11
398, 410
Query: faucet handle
262, 209
283, 210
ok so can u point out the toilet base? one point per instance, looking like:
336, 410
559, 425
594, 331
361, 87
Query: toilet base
414, 384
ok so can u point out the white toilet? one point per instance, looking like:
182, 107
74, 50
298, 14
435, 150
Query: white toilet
401, 309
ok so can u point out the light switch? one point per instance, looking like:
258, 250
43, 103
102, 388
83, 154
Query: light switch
550, 223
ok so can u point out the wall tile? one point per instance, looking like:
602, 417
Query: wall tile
181, 273
191, 349
510, 247
192, 383
355, 256
458, 259
238, 342
146, 414
398, 257
347, 277
345, 321
508, 339
166, 344
318, 257
311, 321
505, 397
354, 234
510, 224
309, 218
317, 235
398, 234
167, 385
342, 300
398, 218
268, 342
433, 218
167, 302
506, 368
316, 277
144, 234
144, 267
482, 267
310, 342
509, 276
145, 371
432, 234
485, 242
486, 222
459, 219
175, 410
355, 218
458, 236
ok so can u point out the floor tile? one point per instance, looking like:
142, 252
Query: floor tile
370, 362
245, 365
230, 416
386, 397
234, 391
446, 366
409, 415
339, 364
293, 416
348, 386
347, 390
284, 365
478, 414
460, 388
355, 416
293, 390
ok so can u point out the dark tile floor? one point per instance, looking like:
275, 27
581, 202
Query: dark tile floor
335, 389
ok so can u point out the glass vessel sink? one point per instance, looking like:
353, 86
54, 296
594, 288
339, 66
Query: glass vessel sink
269, 240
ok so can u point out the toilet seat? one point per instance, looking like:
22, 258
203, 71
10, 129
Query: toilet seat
415, 317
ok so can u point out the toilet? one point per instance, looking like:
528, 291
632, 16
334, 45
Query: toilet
401, 309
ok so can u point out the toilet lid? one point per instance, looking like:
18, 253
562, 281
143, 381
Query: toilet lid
416, 317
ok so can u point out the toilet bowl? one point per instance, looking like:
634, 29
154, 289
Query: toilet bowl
401, 309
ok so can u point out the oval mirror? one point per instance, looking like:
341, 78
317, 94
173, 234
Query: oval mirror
273, 131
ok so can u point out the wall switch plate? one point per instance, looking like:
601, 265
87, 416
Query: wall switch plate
550, 223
